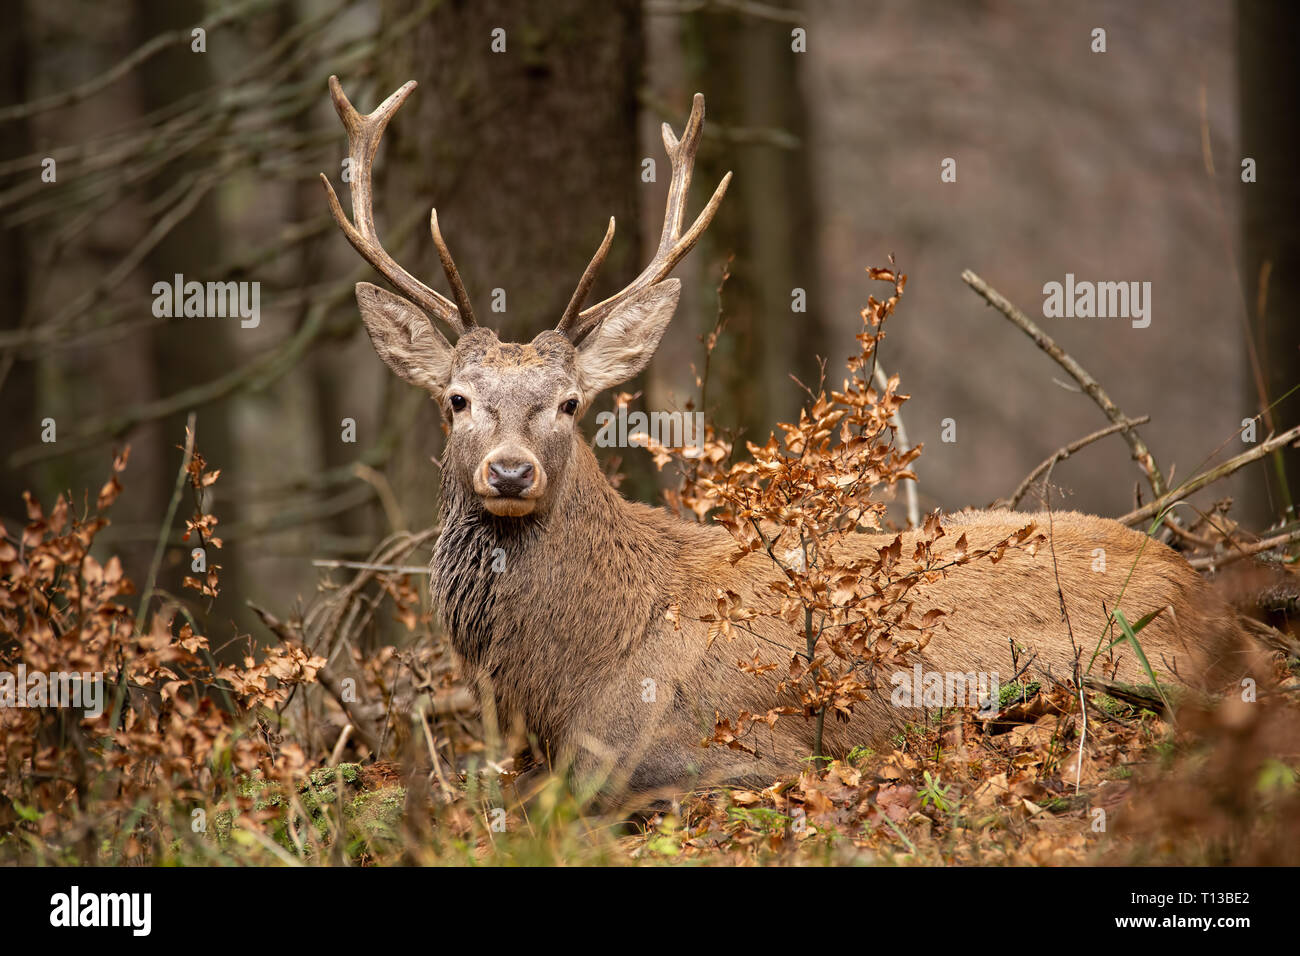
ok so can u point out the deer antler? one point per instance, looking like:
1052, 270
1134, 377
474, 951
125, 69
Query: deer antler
364, 134
673, 245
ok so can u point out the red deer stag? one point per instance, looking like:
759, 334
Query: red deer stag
567, 631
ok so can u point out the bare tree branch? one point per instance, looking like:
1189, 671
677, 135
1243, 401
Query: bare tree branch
1193, 485
1060, 455
1141, 454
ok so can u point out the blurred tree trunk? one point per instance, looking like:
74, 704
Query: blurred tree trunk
1266, 56
526, 154
187, 351
325, 365
749, 75
19, 385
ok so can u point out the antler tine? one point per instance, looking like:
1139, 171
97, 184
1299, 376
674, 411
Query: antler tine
673, 244
453, 274
571, 313
364, 134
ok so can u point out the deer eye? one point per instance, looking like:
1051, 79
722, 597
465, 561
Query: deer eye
458, 403
570, 407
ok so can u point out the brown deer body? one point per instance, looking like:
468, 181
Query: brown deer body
570, 638
556, 590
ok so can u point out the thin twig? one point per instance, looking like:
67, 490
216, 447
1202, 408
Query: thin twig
1193, 485
377, 480
367, 566
448, 793
1245, 550
1141, 454
1065, 616
337, 753
324, 622
360, 725
1206, 544
909, 485
1063, 453
124, 66
156, 564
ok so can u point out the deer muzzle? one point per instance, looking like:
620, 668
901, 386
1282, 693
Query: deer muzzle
510, 481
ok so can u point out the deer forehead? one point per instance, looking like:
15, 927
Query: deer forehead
547, 362
515, 373
481, 349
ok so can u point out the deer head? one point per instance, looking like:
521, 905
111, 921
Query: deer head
513, 407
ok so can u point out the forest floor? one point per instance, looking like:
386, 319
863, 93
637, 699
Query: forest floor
268, 759
1029, 787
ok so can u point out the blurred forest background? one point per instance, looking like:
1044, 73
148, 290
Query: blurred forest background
1122, 165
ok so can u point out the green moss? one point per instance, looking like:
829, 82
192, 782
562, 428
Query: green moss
374, 820
328, 776
221, 822
1017, 691
859, 754
1110, 705
763, 819
1275, 777
371, 818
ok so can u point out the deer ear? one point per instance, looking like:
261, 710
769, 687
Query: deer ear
405, 338
622, 345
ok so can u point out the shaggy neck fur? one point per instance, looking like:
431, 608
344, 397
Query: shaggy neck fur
584, 581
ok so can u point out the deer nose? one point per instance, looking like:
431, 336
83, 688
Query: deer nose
510, 479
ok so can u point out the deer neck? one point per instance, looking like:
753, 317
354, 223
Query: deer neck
501, 581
